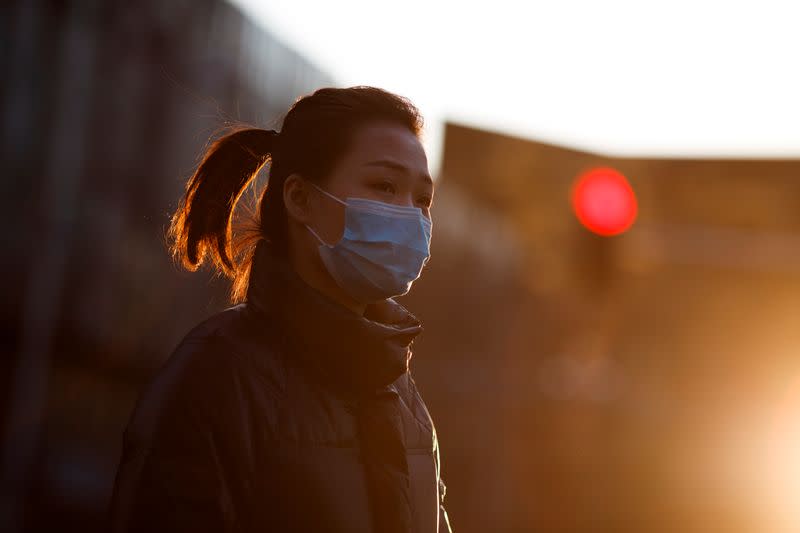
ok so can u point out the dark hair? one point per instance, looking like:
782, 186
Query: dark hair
316, 133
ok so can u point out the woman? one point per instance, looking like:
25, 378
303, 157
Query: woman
294, 409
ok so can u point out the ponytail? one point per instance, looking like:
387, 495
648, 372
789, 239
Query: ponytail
201, 225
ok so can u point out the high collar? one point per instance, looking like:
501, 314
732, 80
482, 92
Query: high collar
352, 353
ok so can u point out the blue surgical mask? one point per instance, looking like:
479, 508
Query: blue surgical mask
382, 251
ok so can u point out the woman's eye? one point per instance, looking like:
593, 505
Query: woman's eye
384, 186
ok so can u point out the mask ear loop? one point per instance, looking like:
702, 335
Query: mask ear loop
318, 237
323, 191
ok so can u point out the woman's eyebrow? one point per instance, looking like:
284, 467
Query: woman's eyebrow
388, 163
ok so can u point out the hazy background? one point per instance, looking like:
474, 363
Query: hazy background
643, 382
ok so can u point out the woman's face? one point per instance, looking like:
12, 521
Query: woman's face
386, 162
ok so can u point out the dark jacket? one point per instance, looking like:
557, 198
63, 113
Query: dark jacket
287, 412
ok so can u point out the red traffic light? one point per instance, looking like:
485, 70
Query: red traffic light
604, 201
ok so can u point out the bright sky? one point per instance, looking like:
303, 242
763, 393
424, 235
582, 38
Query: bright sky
669, 78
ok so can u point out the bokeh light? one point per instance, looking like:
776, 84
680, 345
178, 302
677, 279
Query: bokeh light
604, 201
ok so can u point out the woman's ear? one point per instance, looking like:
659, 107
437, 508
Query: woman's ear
296, 198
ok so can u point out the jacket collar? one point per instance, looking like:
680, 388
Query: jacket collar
354, 354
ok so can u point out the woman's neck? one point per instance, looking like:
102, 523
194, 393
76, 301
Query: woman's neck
313, 272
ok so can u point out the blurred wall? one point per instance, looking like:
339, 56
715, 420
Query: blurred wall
644, 382
105, 107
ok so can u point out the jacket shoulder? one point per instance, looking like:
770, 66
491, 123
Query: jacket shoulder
201, 370
174, 428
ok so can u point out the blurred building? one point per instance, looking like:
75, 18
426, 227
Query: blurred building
105, 107
587, 383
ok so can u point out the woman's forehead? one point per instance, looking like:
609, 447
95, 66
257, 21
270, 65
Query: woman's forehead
388, 146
